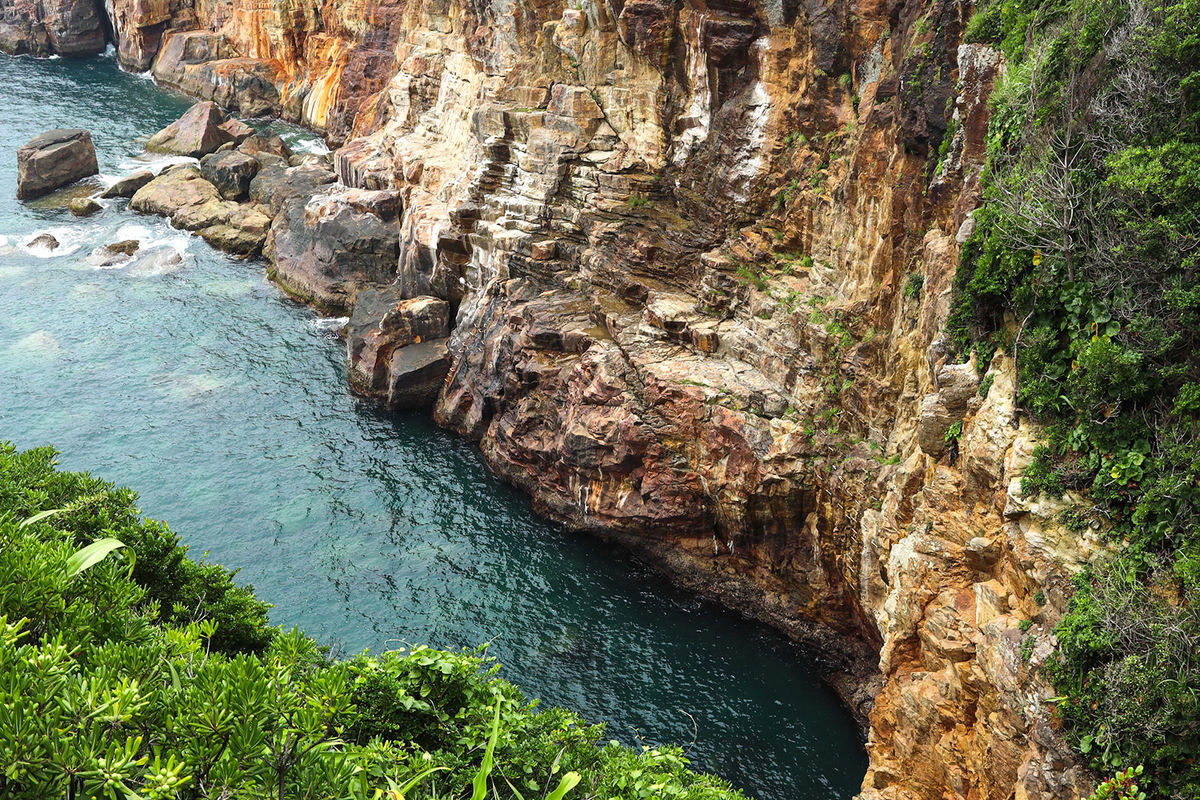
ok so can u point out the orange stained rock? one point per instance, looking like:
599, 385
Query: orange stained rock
324, 93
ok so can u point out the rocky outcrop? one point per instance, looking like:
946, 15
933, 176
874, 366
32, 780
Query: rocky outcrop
128, 186
396, 348
672, 244
323, 248
52, 27
198, 132
231, 172
194, 204
54, 159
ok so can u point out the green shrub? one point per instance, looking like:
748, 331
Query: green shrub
1081, 267
103, 694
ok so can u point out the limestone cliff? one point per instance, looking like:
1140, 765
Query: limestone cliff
694, 260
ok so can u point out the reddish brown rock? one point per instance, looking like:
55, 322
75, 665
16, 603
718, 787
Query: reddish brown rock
63, 27
197, 133
54, 159
128, 186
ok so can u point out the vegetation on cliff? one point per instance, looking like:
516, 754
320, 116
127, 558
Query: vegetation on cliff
139, 672
1083, 266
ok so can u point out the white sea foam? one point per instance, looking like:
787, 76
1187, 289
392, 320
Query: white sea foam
69, 240
329, 323
155, 163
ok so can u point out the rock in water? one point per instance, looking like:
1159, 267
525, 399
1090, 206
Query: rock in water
417, 374
84, 206
128, 186
54, 159
323, 249
43, 242
271, 143
197, 133
181, 194
383, 323
110, 255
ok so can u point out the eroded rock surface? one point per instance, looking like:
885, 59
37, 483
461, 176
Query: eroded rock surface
198, 132
323, 249
51, 27
54, 159
671, 242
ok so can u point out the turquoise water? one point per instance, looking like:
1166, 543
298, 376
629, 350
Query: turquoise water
199, 384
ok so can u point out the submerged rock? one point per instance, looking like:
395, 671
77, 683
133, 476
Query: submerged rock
111, 255
128, 186
43, 241
84, 207
198, 132
54, 159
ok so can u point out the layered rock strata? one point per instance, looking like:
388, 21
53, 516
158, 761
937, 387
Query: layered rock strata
695, 262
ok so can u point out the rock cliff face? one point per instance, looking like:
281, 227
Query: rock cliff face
696, 259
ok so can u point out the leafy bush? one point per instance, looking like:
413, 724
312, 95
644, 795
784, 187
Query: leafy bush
103, 694
1082, 267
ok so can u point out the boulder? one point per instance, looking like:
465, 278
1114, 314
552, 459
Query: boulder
274, 185
231, 172
198, 132
417, 374
382, 322
322, 249
84, 206
184, 196
43, 241
244, 234
53, 159
260, 143
239, 130
128, 186
111, 255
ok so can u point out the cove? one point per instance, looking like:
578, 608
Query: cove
224, 405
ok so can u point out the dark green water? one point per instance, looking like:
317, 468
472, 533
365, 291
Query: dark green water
224, 404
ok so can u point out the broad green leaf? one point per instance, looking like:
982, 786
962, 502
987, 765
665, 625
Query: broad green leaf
485, 769
567, 783
90, 556
41, 515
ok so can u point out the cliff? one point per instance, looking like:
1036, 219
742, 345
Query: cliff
696, 261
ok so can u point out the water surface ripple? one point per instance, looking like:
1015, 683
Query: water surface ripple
224, 405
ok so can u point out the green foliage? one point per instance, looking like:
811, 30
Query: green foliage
746, 275
638, 200
954, 432
94, 509
103, 695
913, 286
1082, 267
1122, 786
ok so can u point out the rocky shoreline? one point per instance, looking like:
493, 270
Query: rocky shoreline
684, 275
